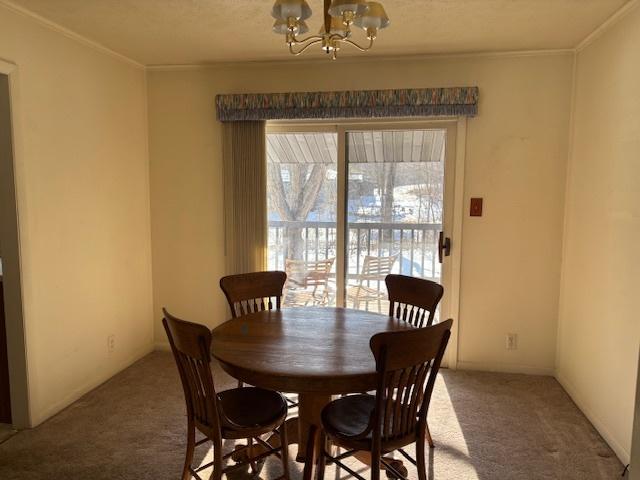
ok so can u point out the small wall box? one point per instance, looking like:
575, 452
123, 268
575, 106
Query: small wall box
476, 207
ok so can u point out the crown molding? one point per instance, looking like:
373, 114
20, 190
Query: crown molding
68, 33
607, 25
355, 60
588, 40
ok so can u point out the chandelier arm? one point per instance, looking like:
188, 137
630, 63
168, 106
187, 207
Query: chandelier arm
362, 49
337, 36
303, 40
293, 52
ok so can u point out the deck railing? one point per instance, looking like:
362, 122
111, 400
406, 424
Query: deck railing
415, 244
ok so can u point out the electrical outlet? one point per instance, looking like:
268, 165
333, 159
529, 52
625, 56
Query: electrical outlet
512, 341
111, 343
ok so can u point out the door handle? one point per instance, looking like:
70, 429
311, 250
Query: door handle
444, 246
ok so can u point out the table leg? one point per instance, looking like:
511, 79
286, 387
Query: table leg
309, 408
311, 454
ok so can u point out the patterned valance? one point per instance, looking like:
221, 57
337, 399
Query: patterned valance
423, 102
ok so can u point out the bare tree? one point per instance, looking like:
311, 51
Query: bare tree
295, 198
386, 176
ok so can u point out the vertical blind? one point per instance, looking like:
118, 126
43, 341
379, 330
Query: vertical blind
245, 196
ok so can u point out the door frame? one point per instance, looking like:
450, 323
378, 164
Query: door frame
456, 128
12, 260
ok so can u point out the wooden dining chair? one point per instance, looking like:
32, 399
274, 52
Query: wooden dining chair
238, 413
253, 292
414, 300
407, 364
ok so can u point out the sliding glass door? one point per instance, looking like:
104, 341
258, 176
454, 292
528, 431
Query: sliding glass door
302, 172
395, 208
349, 204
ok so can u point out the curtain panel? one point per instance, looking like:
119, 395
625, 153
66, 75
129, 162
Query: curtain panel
245, 196
424, 102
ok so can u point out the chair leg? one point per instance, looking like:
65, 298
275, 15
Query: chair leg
420, 458
218, 467
240, 384
429, 439
188, 456
322, 459
254, 467
375, 462
284, 453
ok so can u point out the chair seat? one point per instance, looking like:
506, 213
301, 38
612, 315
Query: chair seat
298, 298
364, 293
349, 416
303, 298
346, 420
251, 408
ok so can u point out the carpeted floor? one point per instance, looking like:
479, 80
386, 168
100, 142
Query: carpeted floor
486, 426
6, 432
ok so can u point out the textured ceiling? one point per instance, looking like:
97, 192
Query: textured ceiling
157, 32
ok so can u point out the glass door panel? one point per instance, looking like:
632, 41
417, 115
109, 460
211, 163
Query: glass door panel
302, 207
395, 206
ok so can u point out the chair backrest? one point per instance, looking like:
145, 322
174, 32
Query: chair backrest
376, 268
191, 344
312, 273
407, 363
413, 300
252, 292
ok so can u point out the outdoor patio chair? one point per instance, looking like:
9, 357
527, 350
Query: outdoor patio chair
374, 271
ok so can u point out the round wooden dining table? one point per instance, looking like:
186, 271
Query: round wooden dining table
315, 352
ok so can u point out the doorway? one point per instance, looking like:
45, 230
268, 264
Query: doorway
14, 408
5, 388
355, 201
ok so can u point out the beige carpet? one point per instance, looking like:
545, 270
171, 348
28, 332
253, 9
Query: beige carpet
486, 426
6, 432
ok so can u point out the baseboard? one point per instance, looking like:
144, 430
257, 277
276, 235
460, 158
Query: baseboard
161, 347
599, 425
505, 368
86, 388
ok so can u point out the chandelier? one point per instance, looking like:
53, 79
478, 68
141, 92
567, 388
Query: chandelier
339, 16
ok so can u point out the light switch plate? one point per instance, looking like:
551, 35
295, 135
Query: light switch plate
476, 207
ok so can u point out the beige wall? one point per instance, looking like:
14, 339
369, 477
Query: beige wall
83, 199
599, 327
516, 160
82, 185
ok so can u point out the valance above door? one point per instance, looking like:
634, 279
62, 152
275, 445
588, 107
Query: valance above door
423, 102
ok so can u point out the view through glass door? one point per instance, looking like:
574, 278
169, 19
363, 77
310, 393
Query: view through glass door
302, 200
395, 207
393, 197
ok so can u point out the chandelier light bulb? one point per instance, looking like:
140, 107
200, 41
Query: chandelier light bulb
282, 27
